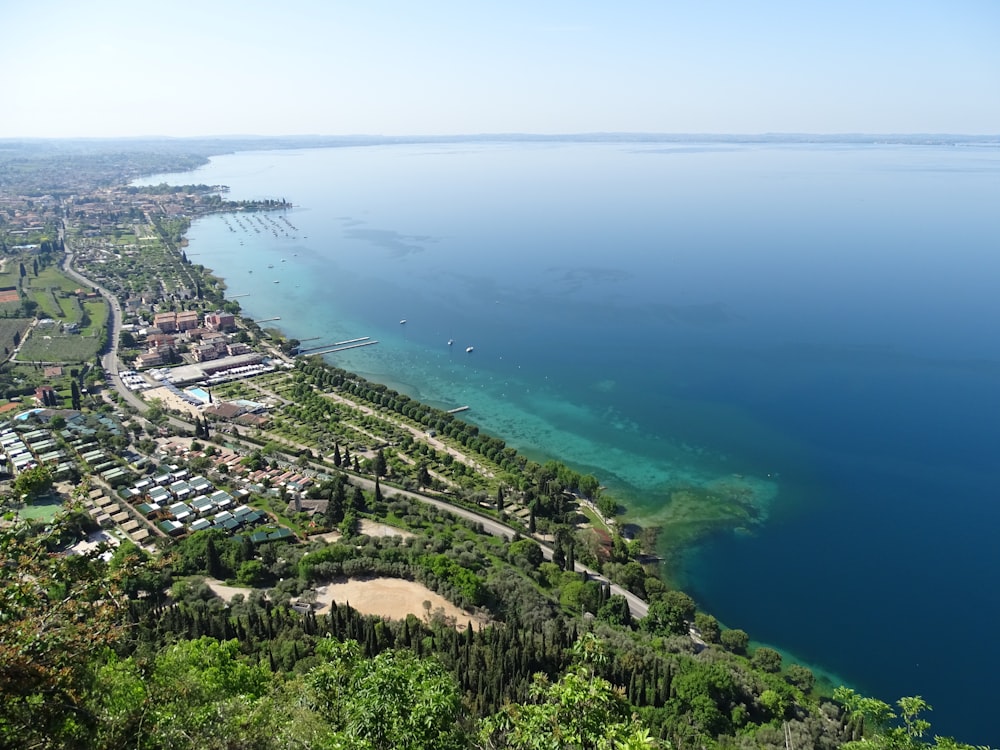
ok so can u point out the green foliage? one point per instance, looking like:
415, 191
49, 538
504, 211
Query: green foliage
735, 640
580, 710
394, 700
56, 611
616, 611
467, 583
766, 659
669, 615
34, 482
875, 726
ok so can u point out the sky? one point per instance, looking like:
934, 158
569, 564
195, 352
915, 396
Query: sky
111, 68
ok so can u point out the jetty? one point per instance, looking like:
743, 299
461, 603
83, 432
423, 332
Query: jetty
457, 409
312, 349
367, 342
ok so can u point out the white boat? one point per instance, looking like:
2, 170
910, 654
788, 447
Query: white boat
276, 281
468, 349
402, 322
451, 341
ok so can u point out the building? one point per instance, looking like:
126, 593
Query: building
45, 395
165, 321
153, 358
220, 321
186, 320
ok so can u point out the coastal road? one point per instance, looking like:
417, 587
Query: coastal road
638, 607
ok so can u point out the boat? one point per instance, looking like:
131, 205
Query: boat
402, 322
451, 341
270, 265
276, 281
468, 350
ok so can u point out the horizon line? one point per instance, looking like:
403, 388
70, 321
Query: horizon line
610, 134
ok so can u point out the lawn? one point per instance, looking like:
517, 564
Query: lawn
8, 327
43, 509
48, 345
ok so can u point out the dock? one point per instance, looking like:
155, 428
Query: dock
312, 349
342, 348
457, 409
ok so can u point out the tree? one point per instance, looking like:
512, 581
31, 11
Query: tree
800, 677
33, 482
423, 476
616, 611
735, 640
589, 486
526, 554
380, 465
393, 700
669, 615
708, 626
766, 659
580, 710
58, 610
74, 391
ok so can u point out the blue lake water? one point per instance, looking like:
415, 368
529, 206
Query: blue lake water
819, 320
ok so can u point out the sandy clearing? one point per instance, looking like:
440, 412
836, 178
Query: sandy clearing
374, 528
368, 528
394, 598
226, 593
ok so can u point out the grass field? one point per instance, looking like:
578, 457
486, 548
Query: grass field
48, 345
8, 327
43, 509
97, 311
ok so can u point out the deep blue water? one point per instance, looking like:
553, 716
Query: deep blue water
817, 319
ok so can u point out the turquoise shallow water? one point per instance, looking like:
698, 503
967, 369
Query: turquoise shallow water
815, 319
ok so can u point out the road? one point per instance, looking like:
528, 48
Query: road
109, 359
637, 606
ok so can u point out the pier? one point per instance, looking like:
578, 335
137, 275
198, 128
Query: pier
268, 320
312, 349
457, 409
367, 342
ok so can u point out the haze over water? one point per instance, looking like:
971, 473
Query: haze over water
814, 325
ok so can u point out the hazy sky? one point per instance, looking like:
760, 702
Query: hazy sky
180, 68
